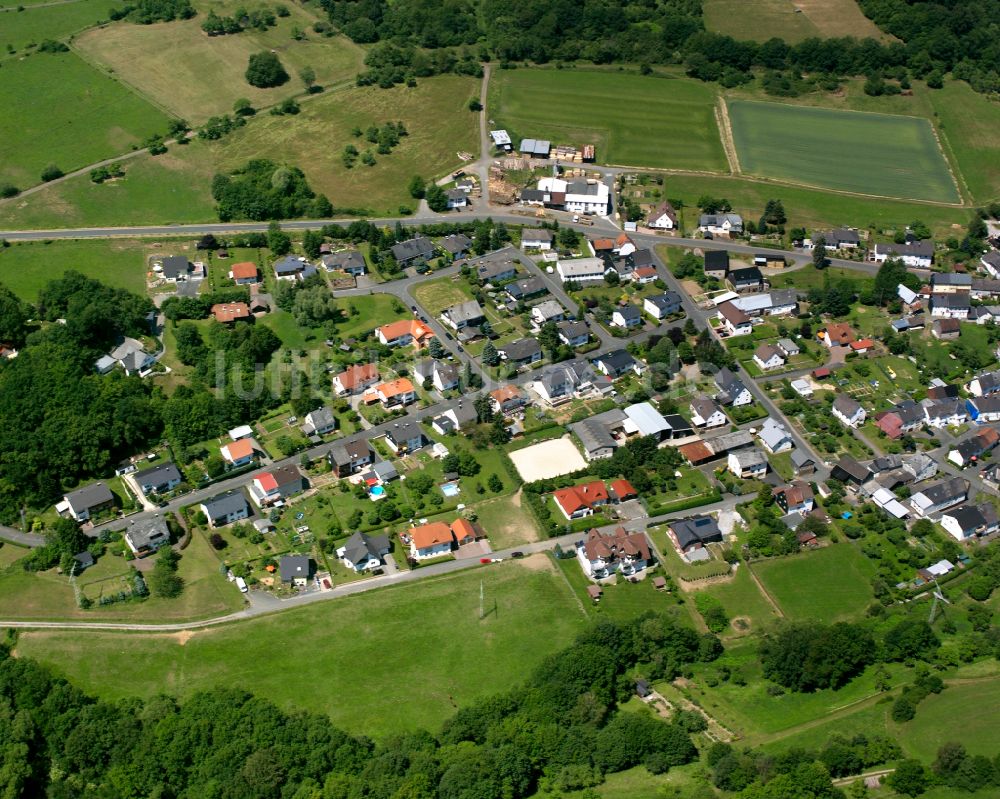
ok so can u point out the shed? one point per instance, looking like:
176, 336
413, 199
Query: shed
594, 592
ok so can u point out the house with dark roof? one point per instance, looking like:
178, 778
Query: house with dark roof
349, 457
226, 508
85, 502
456, 245
916, 254
522, 352
595, 438
720, 223
706, 412
276, 485
970, 521
413, 252
795, 498
458, 417
405, 436
848, 410
984, 384
748, 279
950, 306
350, 261
972, 449
175, 268
694, 532
496, 271
296, 569
938, 497
660, 306
848, 471
949, 412
662, 217
617, 363
526, 289
603, 554
984, 409
319, 422
735, 321
145, 536
362, 552
768, 357
626, 316
463, 314
293, 267
573, 334
731, 389
836, 239
717, 264
159, 479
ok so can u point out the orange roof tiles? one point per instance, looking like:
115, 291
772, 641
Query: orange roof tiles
239, 449
230, 311
356, 375
401, 385
430, 535
412, 327
243, 270
463, 529
266, 481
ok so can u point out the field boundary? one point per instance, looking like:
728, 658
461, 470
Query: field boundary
726, 135
953, 168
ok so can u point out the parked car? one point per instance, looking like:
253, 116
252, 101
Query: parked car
486, 560
517, 554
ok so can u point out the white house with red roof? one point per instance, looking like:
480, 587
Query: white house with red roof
355, 379
576, 502
274, 486
603, 554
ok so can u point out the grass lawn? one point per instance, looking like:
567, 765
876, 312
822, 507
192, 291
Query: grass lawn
196, 76
506, 521
49, 595
366, 313
26, 267
970, 127
436, 295
77, 127
11, 552
809, 277
631, 119
32, 25
638, 783
409, 641
973, 703
759, 20
747, 608
879, 154
827, 584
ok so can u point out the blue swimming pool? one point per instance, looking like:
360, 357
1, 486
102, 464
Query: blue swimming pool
451, 489
376, 491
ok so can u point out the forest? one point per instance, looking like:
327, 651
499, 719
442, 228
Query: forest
958, 36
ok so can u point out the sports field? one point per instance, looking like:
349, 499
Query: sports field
877, 154
633, 120
828, 584
377, 663
84, 117
197, 76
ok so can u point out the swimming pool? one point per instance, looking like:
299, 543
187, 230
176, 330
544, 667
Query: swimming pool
376, 491
451, 489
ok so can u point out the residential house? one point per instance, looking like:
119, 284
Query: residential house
720, 223
159, 479
581, 270
175, 268
802, 387
848, 410
706, 412
276, 485
464, 314
244, 273
522, 352
405, 331
574, 334
950, 306
768, 357
717, 264
984, 409
319, 422
747, 279
508, 399
595, 436
349, 457
779, 302
413, 252
837, 334
795, 498
350, 261
559, 383
404, 436
577, 196
949, 412
130, 355
576, 502
731, 389
296, 570
734, 321
496, 271
918, 254
662, 217
950, 282
970, 521
395, 393
547, 311
836, 239
603, 554
536, 239
904, 418
443, 376
626, 316
648, 421
802, 462
456, 198
457, 245
940, 496
228, 313
775, 436
644, 274
239, 453
293, 267
455, 418
146, 536
355, 379
985, 384
973, 448
622, 491
886, 501
660, 306
85, 502
526, 289
362, 552
617, 363
226, 508
694, 532
501, 140
747, 464
432, 540
946, 329
920, 465
788, 347
848, 471
676, 425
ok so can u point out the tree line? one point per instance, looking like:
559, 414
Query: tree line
561, 726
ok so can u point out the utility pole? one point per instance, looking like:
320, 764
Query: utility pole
481, 597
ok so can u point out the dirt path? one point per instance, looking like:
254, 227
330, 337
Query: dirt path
726, 134
763, 591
